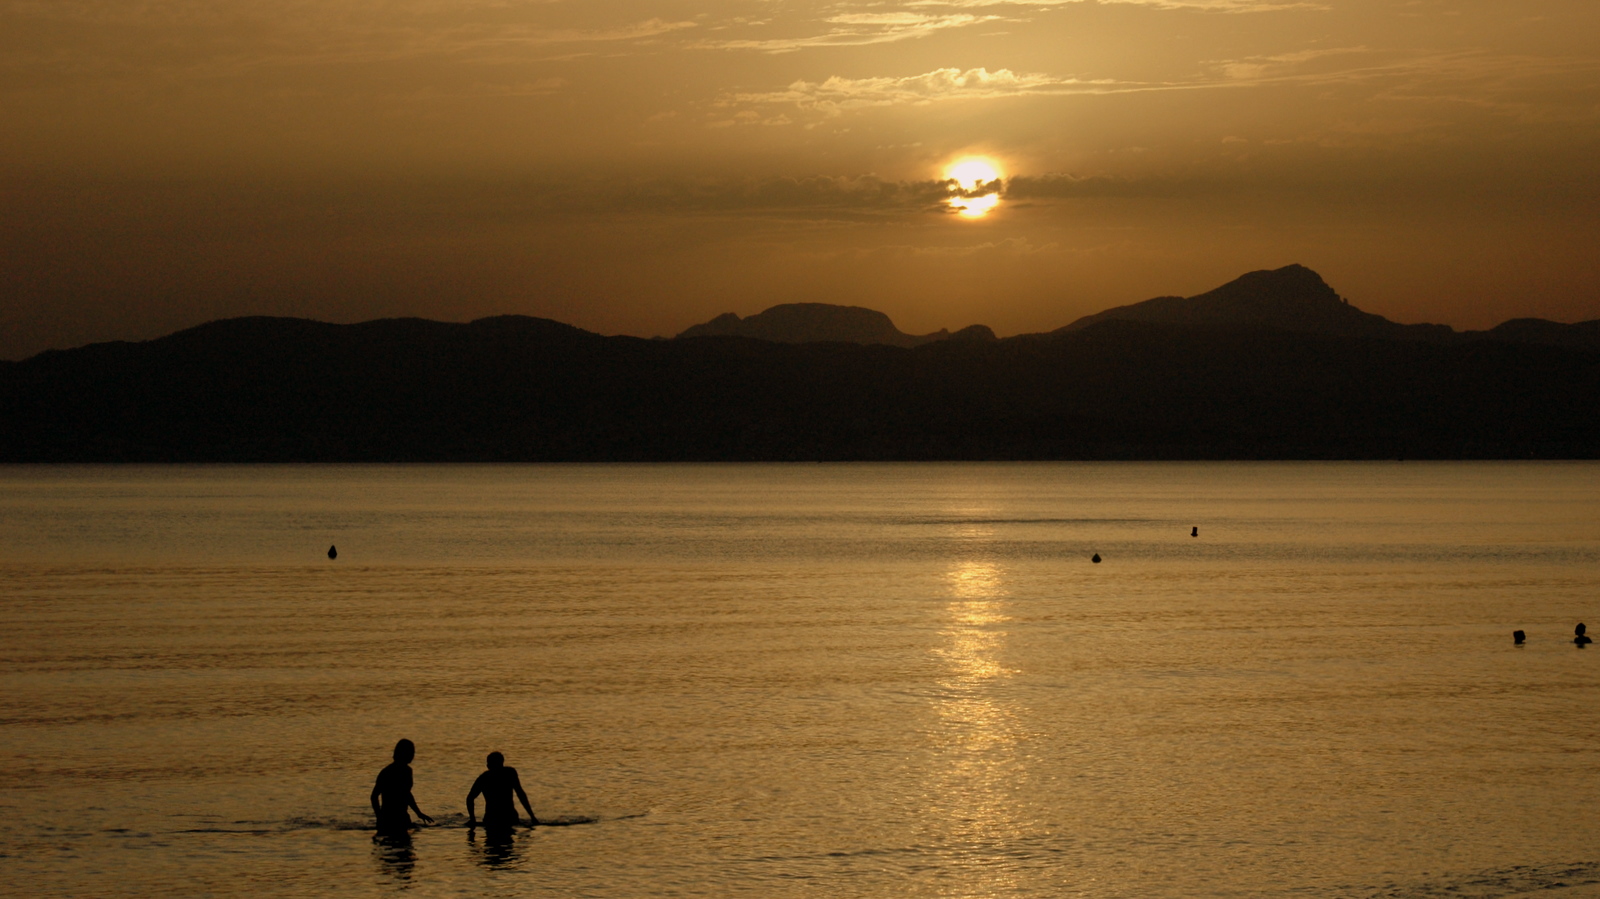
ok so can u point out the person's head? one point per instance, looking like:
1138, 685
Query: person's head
405, 751
1579, 629
496, 760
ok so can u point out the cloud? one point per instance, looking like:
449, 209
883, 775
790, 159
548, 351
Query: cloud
858, 193
1057, 186
195, 39
635, 31
1231, 6
812, 196
1257, 68
1522, 87
859, 29
1528, 87
837, 94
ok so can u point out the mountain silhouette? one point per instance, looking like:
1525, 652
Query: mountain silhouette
1293, 298
1245, 377
822, 323
1585, 335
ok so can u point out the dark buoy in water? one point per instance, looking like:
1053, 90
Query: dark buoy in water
333, 552
1518, 637
1581, 639
1095, 558
1194, 532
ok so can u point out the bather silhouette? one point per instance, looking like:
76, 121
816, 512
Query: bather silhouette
496, 785
391, 795
1581, 638
333, 552
1194, 531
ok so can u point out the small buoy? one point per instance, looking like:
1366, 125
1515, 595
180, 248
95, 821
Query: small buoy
1517, 637
333, 552
1194, 532
1095, 559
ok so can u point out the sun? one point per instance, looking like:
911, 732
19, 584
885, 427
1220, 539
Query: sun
970, 178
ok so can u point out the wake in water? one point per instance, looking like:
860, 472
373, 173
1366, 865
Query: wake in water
450, 821
559, 821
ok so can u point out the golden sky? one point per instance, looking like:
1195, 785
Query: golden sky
636, 167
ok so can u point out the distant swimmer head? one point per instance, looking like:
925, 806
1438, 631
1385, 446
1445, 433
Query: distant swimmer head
496, 760
1518, 637
1580, 629
333, 552
405, 751
1194, 532
1095, 558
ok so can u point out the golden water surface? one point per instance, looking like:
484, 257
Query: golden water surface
807, 680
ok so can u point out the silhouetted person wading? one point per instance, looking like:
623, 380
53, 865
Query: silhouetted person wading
391, 795
496, 785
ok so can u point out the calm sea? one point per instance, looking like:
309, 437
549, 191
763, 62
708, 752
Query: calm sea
805, 680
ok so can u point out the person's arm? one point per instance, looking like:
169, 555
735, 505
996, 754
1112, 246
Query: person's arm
377, 810
516, 784
412, 801
472, 805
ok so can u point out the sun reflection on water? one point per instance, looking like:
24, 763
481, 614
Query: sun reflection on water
980, 763
975, 581
971, 638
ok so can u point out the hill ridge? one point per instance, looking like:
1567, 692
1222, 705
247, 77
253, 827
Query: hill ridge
823, 322
1292, 298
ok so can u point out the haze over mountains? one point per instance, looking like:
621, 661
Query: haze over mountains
1272, 365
